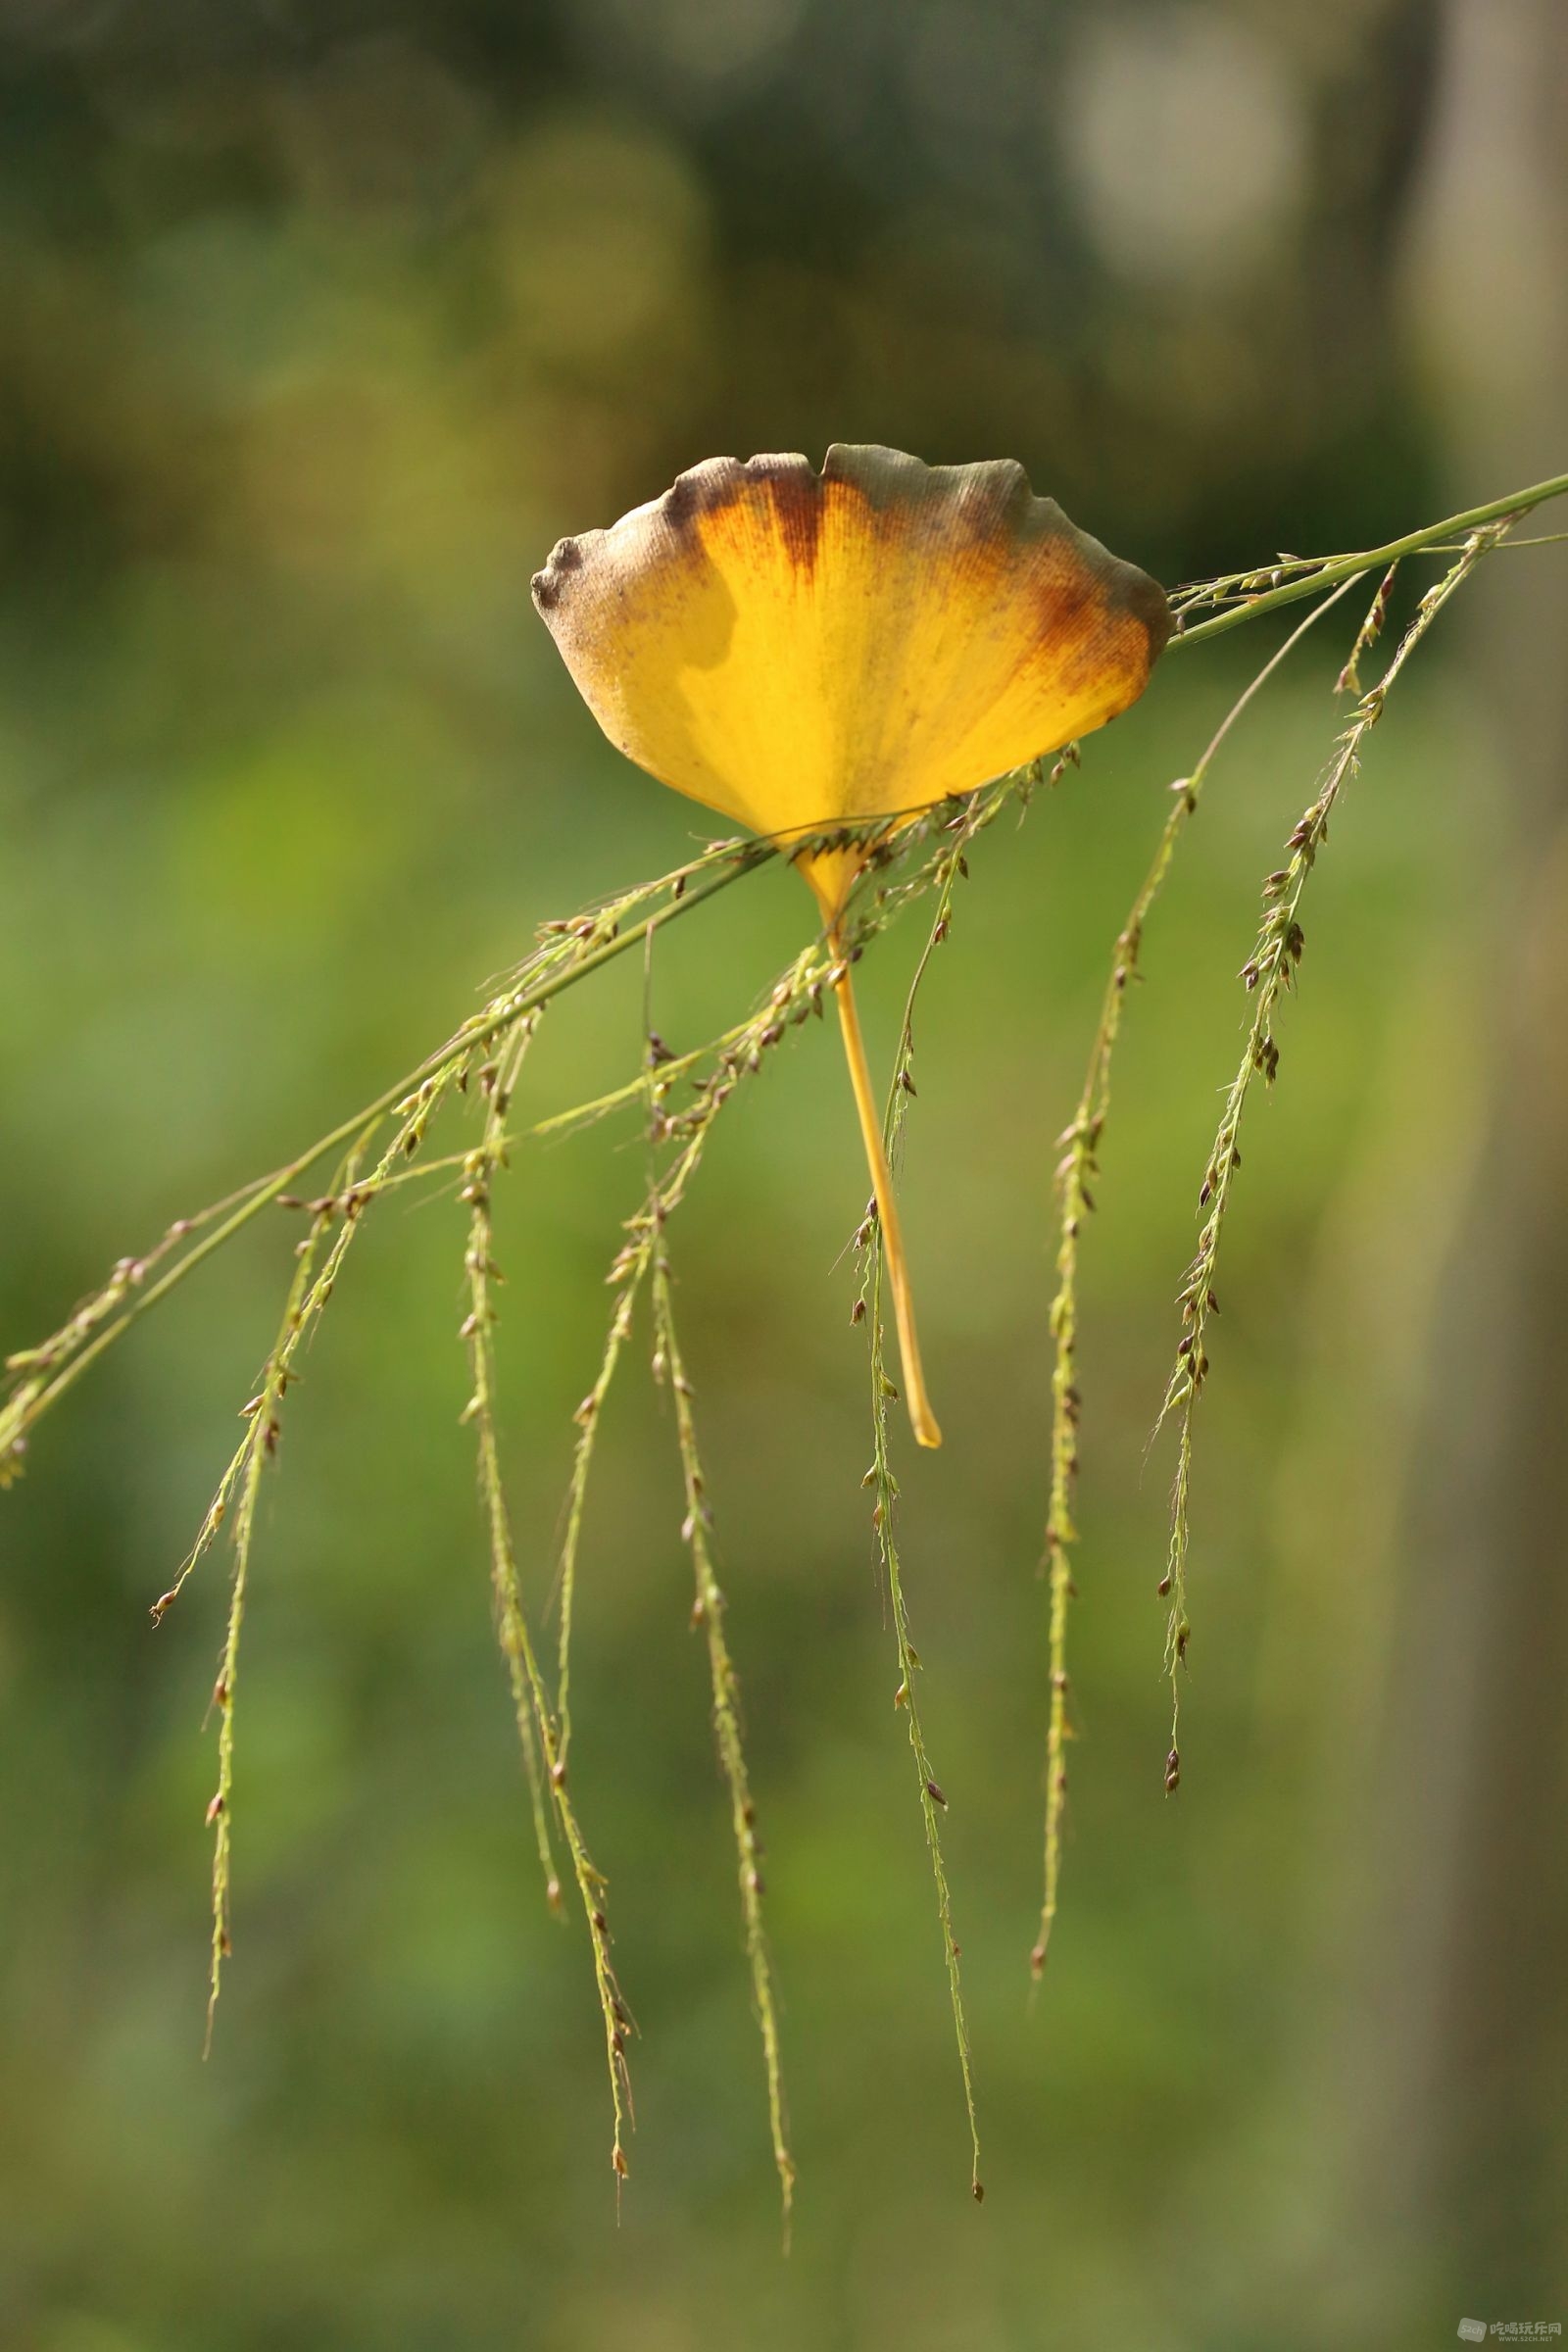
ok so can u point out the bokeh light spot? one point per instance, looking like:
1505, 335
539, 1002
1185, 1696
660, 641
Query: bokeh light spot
1186, 144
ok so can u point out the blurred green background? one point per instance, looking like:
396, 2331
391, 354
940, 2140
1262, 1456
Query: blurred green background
321, 324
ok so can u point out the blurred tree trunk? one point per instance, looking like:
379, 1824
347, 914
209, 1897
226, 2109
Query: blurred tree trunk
1470, 1987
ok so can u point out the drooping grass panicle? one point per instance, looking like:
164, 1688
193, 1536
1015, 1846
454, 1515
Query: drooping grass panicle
497, 1080
489, 1049
537, 1724
680, 1132
868, 1309
739, 1053
1078, 1167
707, 1614
240, 1486
791, 1002
336, 1213
932, 1799
898, 856
1268, 973
681, 1129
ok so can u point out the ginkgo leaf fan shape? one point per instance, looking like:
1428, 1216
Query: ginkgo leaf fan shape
803, 650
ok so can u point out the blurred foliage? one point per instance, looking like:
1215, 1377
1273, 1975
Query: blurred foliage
322, 325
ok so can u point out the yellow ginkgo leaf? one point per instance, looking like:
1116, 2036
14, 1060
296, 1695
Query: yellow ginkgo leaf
803, 650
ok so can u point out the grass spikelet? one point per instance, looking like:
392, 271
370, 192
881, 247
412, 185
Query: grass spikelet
1348, 680
1268, 973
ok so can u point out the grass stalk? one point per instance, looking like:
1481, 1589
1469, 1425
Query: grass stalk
1248, 594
